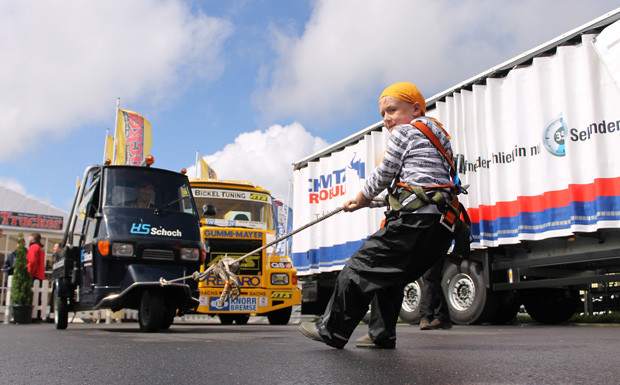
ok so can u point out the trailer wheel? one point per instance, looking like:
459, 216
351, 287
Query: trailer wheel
550, 305
469, 300
61, 311
242, 319
151, 313
280, 316
508, 305
410, 309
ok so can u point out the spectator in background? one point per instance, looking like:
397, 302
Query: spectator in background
434, 311
36, 257
9, 261
55, 257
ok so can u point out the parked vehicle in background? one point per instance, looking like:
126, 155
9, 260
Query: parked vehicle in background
243, 220
539, 135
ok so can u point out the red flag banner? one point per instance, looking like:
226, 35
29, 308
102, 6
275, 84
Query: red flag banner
133, 138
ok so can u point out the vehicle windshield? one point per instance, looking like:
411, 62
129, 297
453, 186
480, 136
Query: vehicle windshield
146, 188
237, 208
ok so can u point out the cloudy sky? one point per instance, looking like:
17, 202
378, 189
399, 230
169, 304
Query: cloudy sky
253, 85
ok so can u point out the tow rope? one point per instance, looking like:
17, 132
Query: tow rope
227, 268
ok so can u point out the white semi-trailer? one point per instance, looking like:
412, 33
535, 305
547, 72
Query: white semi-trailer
540, 136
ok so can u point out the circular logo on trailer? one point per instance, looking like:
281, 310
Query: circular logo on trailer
553, 137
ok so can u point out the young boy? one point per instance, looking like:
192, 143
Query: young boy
411, 240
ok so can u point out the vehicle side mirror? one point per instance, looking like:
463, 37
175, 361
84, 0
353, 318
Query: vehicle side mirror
208, 210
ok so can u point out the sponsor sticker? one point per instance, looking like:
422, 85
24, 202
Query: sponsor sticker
282, 295
244, 280
281, 265
146, 229
247, 304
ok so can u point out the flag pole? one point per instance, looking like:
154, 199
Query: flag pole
118, 106
197, 166
105, 146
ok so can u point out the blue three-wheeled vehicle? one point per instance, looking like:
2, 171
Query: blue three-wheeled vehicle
129, 227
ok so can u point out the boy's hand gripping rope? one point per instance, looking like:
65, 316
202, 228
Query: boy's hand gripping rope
227, 268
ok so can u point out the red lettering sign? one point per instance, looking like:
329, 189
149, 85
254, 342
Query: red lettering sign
33, 221
331, 193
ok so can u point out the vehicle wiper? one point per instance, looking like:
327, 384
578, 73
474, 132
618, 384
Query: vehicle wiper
160, 208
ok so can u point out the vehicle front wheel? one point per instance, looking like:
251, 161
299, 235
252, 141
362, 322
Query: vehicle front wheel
280, 316
151, 313
168, 318
61, 311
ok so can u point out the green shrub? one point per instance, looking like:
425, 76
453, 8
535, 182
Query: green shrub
21, 287
604, 317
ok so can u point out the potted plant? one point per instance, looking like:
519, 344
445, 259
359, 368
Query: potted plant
21, 286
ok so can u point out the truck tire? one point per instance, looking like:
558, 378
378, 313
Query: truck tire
151, 313
61, 311
468, 298
550, 305
168, 318
226, 319
280, 316
410, 310
508, 305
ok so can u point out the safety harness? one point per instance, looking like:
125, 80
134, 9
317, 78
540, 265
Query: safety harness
409, 198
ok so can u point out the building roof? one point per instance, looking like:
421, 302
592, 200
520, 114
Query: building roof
15, 201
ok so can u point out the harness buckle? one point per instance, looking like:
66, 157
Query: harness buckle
448, 220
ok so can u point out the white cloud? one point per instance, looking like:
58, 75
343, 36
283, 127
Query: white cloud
65, 62
265, 158
351, 49
13, 184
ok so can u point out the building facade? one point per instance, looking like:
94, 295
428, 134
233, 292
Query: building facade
23, 214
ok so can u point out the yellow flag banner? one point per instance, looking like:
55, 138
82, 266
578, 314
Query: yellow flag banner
206, 171
109, 147
133, 136
77, 187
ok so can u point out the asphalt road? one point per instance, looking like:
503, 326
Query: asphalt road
265, 354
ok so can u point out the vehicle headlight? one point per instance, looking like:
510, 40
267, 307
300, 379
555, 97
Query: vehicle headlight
190, 254
279, 279
122, 249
